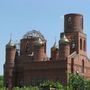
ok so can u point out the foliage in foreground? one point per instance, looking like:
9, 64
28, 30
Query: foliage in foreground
23, 88
51, 84
76, 82
1, 81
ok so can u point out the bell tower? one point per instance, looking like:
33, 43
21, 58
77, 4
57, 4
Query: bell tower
73, 29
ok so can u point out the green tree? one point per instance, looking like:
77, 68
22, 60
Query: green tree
1, 81
87, 84
76, 82
59, 86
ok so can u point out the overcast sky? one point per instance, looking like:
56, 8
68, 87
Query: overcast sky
20, 16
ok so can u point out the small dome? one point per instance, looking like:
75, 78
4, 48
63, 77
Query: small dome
64, 40
55, 46
10, 44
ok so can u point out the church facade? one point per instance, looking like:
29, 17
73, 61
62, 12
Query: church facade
30, 65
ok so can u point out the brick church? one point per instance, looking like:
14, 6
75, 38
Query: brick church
29, 64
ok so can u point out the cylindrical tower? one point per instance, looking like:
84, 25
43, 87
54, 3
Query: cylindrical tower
9, 64
10, 52
73, 23
39, 50
27, 46
64, 48
54, 52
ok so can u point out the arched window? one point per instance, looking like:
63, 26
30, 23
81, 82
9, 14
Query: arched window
84, 45
82, 67
80, 44
72, 65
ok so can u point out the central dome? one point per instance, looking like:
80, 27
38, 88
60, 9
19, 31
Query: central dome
34, 34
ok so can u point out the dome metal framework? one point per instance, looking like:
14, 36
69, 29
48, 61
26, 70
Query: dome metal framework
34, 34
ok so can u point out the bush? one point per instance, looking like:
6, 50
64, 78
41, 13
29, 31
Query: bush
87, 84
51, 84
47, 84
76, 81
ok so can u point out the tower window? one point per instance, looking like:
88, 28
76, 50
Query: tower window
72, 65
82, 67
84, 45
80, 44
69, 20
